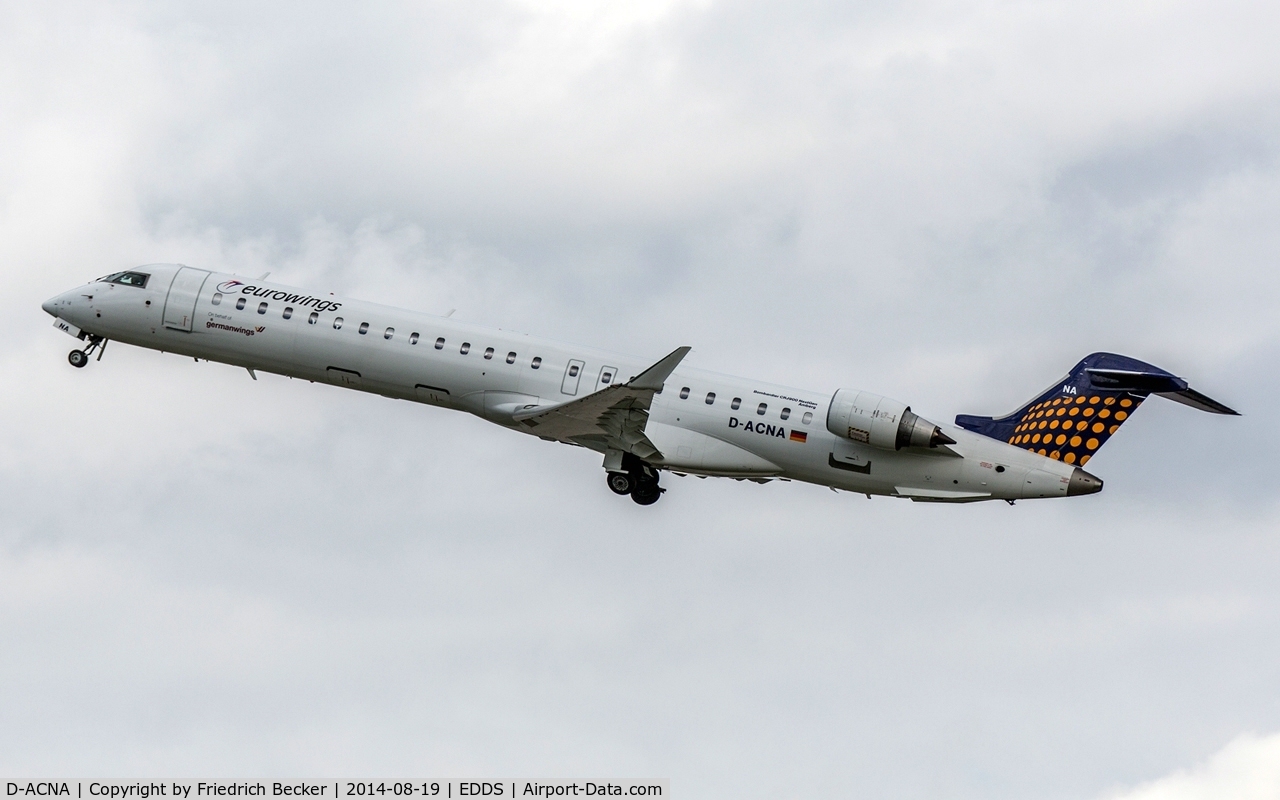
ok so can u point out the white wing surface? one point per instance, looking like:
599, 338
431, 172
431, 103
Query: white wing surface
612, 418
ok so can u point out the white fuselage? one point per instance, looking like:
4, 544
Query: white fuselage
703, 423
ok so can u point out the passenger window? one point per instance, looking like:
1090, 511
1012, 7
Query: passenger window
240, 304
684, 393
262, 308
537, 362
337, 323
466, 348
786, 413
364, 328
763, 408
413, 338
807, 418
389, 333
440, 343
511, 358
311, 320
711, 397
288, 312
488, 353
217, 298
736, 404
573, 371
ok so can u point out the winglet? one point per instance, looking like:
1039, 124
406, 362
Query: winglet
655, 376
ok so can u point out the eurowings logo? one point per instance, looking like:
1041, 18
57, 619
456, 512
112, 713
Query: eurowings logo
229, 286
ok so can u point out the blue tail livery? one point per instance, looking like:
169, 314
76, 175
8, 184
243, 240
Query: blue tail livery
1079, 413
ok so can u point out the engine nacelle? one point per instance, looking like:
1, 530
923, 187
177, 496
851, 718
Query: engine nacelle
880, 422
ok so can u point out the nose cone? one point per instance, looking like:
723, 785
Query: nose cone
1083, 483
51, 306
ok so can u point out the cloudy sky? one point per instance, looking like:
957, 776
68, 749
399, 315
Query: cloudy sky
948, 203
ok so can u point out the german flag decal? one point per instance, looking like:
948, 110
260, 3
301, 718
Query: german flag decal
799, 436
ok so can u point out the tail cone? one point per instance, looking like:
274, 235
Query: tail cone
1083, 483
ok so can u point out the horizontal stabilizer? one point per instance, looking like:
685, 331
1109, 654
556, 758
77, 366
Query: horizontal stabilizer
1190, 397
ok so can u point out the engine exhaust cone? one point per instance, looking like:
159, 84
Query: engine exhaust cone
939, 437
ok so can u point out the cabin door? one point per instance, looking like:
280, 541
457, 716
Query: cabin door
608, 375
572, 376
180, 305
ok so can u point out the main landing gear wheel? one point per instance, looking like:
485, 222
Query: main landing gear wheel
647, 493
78, 358
620, 482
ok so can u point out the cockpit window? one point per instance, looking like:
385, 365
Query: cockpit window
138, 279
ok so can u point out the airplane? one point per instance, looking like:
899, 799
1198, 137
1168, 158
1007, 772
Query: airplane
643, 417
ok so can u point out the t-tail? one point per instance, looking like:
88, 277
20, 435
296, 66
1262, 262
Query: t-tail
1078, 414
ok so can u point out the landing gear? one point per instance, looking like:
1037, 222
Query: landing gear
620, 482
79, 358
647, 493
639, 480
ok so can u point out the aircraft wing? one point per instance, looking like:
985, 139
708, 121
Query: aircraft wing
614, 417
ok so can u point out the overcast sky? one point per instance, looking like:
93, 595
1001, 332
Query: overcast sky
950, 204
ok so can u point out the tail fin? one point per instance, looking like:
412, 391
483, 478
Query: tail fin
1079, 413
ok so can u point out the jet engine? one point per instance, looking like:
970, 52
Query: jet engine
880, 422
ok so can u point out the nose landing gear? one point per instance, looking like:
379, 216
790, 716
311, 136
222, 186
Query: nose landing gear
79, 358
640, 481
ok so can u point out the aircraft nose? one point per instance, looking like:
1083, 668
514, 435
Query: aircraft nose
51, 306
1083, 483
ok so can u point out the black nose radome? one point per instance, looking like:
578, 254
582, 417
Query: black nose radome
1083, 483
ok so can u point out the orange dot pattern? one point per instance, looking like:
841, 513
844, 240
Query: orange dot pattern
1071, 429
